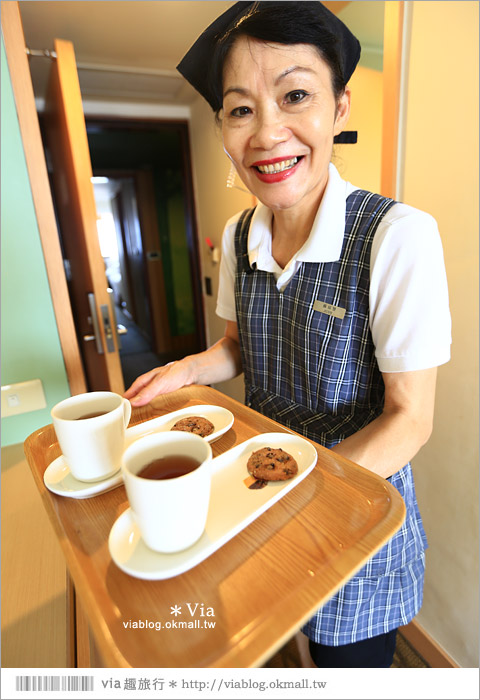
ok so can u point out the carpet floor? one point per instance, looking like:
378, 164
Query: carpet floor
136, 355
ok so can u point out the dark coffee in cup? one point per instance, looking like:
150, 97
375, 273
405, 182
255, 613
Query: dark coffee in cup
169, 467
92, 415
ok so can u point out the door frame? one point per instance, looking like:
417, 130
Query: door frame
191, 228
394, 52
160, 337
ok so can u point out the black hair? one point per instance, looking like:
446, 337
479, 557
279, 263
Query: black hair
282, 23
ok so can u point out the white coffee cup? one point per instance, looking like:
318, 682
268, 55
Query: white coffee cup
92, 446
171, 513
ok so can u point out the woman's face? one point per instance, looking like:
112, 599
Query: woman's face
280, 117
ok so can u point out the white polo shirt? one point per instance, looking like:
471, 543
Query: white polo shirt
409, 310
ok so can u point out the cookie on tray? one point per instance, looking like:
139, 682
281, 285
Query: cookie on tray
195, 424
272, 464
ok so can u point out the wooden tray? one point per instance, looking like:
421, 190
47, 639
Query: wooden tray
261, 586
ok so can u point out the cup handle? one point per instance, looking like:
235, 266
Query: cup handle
127, 412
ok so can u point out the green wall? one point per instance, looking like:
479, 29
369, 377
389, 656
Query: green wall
30, 346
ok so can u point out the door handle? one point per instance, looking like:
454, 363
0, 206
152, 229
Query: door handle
94, 321
121, 330
109, 327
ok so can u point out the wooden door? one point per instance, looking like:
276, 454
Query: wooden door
162, 337
71, 173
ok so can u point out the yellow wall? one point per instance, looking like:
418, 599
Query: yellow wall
441, 177
214, 204
360, 163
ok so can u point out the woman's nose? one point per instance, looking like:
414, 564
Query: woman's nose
269, 129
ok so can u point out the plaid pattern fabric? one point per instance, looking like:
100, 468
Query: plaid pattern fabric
317, 374
313, 372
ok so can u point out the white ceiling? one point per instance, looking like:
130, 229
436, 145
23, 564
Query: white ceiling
128, 50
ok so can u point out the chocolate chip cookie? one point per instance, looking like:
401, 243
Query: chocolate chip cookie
194, 424
272, 464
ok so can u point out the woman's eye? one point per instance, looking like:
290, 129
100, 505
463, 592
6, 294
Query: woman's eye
240, 111
295, 96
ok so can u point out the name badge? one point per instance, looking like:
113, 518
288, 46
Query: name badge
329, 309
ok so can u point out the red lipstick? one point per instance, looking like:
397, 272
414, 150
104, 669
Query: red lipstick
280, 175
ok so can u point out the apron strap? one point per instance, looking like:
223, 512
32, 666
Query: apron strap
241, 240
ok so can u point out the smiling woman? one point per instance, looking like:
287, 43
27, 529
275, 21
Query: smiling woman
335, 298
280, 119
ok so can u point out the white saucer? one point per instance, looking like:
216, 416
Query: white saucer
233, 506
59, 479
221, 418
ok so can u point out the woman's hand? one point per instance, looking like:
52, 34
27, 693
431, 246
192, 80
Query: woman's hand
219, 363
160, 380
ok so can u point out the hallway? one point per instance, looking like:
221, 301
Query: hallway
136, 355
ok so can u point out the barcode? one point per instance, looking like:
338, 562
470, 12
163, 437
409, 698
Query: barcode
52, 683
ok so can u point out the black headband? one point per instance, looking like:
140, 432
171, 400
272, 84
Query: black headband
194, 66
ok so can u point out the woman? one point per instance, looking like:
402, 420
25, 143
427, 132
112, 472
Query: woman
335, 298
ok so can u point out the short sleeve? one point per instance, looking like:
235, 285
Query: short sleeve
226, 283
409, 307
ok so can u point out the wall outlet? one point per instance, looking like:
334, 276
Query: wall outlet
22, 397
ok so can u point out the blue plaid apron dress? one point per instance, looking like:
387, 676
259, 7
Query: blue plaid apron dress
317, 374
